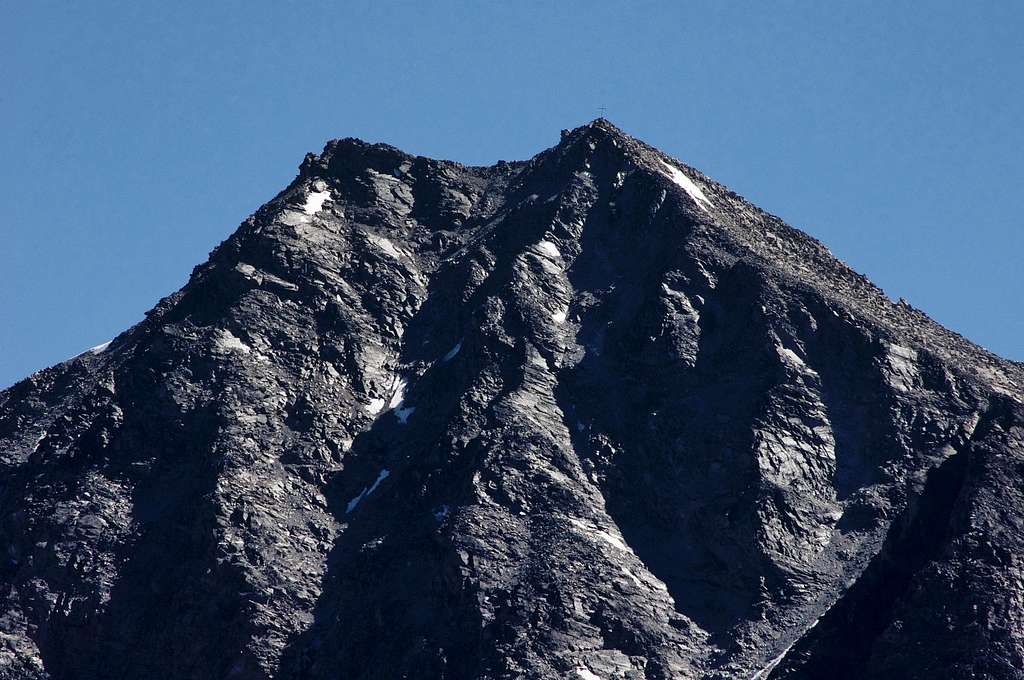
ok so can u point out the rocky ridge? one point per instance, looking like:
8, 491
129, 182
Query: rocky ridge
591, 415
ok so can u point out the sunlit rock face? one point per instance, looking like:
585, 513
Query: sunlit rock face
591, 415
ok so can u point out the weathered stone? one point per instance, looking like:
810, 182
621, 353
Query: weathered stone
586, 416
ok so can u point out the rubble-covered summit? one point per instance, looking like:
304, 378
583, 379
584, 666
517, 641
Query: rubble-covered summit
590, 415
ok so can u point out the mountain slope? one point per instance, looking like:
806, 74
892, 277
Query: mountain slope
590, 415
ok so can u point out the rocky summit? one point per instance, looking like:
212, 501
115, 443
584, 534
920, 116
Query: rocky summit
588, 416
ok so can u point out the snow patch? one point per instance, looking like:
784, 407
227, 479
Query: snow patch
452, 352
39, 441
354, 503
559, 317
315, 201
226, 341
397, 393
375, 406
587, 674
398, 399
100, 348
687, 185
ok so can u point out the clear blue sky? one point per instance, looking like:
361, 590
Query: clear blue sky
135, 136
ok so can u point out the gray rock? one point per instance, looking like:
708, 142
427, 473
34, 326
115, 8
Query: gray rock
592, 415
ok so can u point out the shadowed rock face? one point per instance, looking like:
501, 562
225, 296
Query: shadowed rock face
587, 416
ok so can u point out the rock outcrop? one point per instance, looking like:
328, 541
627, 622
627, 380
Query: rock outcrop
588, 416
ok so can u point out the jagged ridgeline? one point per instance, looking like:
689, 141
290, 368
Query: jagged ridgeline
587, 416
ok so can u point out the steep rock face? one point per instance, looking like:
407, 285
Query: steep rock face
591, 415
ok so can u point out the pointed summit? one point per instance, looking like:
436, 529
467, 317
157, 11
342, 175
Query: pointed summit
598, 126
588, 415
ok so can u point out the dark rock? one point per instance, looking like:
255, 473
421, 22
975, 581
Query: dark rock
592, 415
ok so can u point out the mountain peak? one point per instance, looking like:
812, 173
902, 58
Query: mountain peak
586, 415
601, 127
